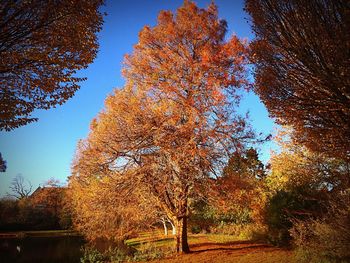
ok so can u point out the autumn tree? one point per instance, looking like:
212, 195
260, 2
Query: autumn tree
42, 45
50, 197
19, 188
245, 164
174, 123
301, 56
239, 191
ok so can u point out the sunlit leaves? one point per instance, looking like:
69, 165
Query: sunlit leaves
296, 166
174, 124
50, 197
103, 208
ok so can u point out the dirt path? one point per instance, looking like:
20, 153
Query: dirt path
237, 252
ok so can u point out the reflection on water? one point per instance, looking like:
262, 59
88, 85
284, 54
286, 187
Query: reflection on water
41, 249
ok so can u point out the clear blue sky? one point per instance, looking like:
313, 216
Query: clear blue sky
42, 150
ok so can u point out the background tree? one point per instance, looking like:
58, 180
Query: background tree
303, 187
296, 166
239, 191
40, 54
50, 198
245, 164
174, 124
301, 54
20, 189
2, 164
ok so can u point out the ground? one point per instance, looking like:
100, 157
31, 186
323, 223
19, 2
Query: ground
221, 249
237, 252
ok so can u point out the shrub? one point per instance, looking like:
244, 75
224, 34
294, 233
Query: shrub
324, 240
112, 255
91, 255
150, 251
242, 231
145, 252
202, 217
284, 208
196, 229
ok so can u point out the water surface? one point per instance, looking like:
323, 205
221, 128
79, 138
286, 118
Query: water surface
65, 249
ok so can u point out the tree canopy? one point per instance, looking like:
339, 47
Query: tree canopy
174, 123
42, 45
301, 54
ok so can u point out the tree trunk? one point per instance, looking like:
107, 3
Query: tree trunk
181, 235
173, 228
165, 226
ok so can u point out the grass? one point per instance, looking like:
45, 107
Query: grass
157, 238
221, 238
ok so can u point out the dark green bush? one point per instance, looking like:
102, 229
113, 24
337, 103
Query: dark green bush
326, 239
285, 207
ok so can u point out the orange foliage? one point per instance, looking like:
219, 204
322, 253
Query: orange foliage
242, 186
50, 197
108, 208
174, 123
40, 54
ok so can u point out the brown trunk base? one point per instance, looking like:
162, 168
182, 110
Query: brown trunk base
181, 236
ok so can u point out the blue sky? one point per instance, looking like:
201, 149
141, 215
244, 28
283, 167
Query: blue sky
44, 150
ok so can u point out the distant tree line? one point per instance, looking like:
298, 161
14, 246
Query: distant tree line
43, 209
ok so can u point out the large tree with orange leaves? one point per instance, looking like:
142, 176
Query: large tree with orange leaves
42, 45
174, 124
302, 58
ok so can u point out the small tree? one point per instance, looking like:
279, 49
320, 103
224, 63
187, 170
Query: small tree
20, 189
239, 191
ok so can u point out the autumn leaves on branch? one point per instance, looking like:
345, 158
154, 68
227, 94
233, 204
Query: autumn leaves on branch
174, 124
173, 129
42, 45
302, 60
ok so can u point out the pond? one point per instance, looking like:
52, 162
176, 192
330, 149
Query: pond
59, 249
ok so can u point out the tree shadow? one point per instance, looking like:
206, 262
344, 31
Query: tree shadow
227, 246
